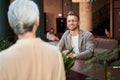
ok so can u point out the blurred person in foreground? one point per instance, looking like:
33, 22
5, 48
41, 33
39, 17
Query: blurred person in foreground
74, 37
28, 58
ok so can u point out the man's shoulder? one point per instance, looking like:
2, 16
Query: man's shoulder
67, 32
50, 46
85, 32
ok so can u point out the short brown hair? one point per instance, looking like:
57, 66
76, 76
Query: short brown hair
73, 13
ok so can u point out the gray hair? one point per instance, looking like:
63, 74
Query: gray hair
22, 14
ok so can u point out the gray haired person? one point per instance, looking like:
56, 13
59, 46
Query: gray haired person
28, 58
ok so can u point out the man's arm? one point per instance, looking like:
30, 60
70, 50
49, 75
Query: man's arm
89, 47
61, 42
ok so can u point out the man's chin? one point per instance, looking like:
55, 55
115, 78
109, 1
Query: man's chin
72, 29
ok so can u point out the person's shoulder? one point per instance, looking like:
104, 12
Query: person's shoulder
51, 49
49, 46
86, 33
3, 52
67, 32
6, 53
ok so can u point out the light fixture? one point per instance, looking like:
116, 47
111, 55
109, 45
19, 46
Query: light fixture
59, 15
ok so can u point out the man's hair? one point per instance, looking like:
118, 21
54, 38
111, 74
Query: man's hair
22, 14
73, 13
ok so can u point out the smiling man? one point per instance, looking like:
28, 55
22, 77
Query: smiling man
81, 41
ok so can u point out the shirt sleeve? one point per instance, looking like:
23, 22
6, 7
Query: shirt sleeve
89, 47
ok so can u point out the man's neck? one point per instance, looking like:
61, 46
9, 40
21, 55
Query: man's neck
75, 32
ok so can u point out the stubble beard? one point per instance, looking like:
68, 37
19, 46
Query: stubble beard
75, 28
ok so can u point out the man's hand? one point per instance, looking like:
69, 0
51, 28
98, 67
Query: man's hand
73, 56
65, 51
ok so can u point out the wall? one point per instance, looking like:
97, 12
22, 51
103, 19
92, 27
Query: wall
68, 6
52, 8
101, 11
101, 17
98, 4
5, 30
116, 19
40, 29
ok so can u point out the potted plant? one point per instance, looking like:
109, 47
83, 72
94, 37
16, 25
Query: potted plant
103, 60
4, 44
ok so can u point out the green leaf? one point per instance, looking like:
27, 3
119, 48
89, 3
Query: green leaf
116, 63
103, 58
91, 60
90, 78
4, 44
88, 68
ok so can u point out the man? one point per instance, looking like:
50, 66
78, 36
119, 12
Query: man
29, 58
81, 41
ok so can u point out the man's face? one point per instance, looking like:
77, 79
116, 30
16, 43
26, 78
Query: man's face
72, 22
